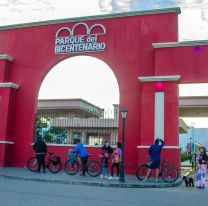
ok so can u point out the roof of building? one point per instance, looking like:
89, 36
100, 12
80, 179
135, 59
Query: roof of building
66, 105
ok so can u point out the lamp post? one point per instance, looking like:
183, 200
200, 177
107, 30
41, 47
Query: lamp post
124, 112
193, 139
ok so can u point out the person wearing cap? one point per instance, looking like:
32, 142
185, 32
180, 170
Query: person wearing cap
40, 148
82, 152
154, 153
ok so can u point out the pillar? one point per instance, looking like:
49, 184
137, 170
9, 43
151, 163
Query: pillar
7, 98
160, 117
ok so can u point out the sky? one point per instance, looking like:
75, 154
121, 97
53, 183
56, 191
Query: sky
97, 84
193, 25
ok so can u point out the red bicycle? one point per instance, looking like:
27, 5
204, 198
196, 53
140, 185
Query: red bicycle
52, 162
168, 173
72, 166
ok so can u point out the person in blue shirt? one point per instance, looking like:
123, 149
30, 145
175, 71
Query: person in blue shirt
82, 152
154, 153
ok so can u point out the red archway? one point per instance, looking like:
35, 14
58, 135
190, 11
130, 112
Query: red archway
132, 44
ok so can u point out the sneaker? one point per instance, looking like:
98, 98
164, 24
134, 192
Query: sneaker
101, 176
106, 177
156, 181
110, 178
144, 180
116, 178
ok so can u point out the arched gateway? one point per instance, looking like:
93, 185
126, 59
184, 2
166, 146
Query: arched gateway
142, 50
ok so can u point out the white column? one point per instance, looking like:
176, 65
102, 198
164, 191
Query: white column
159, 115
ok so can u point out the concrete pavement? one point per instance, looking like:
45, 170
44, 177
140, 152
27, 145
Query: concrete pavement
130, 180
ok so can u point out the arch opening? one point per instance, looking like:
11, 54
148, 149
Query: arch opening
78, 98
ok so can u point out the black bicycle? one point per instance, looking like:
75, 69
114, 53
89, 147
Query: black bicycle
52, 162
72, 166
168, 173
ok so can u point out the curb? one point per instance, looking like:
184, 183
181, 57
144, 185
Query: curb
189, 172
101, 184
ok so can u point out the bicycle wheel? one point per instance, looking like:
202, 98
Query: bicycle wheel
93, 168
54, 167
169, 174
71, 168
141, 171
32, 164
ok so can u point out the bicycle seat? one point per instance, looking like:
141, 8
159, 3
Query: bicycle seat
50, 153
165, 160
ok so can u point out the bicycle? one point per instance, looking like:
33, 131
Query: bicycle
168, 173
72, 166
52, 162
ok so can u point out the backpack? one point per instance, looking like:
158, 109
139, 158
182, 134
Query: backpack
116, 158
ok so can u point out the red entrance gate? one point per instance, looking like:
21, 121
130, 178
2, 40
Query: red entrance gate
125, 43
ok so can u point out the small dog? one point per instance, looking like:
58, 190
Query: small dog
189, 181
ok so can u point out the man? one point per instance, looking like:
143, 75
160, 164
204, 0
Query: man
154, 153
41, 149
82, 152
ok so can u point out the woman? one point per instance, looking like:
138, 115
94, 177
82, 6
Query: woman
106, 151
116, 161
155, 153
202, 167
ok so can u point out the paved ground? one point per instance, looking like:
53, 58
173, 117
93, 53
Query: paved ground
63, 178
31, 193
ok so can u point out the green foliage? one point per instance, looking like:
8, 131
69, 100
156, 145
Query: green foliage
48, 137
51, 134
42, 122
185, 157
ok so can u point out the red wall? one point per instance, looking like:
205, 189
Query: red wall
129, 53
62, 151
188, 61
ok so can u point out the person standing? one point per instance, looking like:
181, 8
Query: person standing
202, 168
154, 153
82, 152
116, 161
106, 151
193, 161
40, 148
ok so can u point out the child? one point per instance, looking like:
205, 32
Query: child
116, 161
202, 167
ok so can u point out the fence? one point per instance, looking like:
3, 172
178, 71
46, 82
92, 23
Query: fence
63, 126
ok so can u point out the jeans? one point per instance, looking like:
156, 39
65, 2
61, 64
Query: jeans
104, 169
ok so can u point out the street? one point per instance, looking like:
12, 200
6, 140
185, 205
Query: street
29, 193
